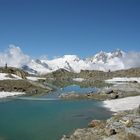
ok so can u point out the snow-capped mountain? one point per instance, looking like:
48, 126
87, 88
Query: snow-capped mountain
68, 62
104, 57
101, 61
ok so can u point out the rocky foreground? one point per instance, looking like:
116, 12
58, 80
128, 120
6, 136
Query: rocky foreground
124, 125
121, 126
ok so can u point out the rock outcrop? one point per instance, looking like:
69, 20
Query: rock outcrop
13, 70
20, 74
122, 126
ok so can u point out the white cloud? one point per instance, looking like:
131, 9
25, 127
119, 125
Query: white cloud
13, 57
131, 59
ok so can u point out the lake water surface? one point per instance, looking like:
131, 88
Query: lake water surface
37, 119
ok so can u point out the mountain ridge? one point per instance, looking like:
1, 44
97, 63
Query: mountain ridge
73, 63
103, 61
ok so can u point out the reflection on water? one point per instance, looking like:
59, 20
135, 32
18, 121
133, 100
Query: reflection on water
70, 89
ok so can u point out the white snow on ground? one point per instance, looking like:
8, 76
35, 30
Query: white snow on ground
35, 78
78, 79
122, 104
4, 76
118, 80
4, 94
16, 77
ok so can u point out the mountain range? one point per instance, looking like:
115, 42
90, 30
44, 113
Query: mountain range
103, 61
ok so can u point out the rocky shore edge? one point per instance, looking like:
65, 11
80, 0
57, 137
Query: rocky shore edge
107, 93
123, 125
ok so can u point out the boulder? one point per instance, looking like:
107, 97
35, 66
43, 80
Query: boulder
137, 111
15, 88
129, 123
1, 88
94, 123
34, 91
106, 91
21, 90
110, 131
114, 95
69, 96
20, 74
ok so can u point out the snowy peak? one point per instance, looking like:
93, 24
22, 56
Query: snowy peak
71, 58
104, 57
118, 53
104, 61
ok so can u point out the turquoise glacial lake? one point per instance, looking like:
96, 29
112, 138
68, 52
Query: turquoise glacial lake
40, 118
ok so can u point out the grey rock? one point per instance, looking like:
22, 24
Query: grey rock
70, 96
1, 88
106, 91
113, 129
110, 132
114, 95
94, 123
137, 111
34, 91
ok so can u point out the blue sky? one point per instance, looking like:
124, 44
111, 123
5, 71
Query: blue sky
58, 27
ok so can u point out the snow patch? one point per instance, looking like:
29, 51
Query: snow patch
118, 80
122, 104
35, 78
78, 79
4, 94
4, 76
